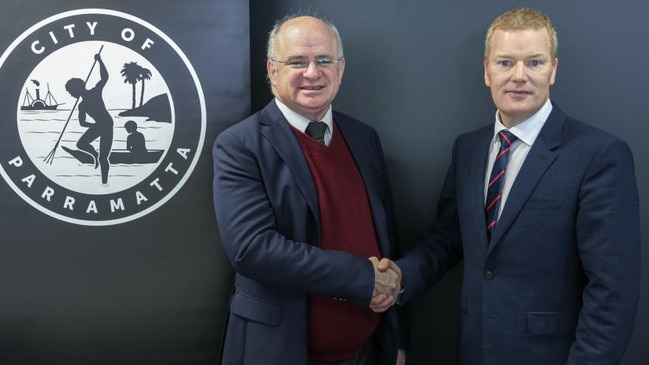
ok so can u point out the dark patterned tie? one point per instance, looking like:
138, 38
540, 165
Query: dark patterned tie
317, 130
494, 189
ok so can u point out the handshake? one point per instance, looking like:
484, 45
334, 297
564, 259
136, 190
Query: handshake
387, 284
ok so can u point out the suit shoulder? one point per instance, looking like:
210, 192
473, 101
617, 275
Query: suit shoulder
592, 134
244, 125
243, 129
246, 132
582, 139
344, 119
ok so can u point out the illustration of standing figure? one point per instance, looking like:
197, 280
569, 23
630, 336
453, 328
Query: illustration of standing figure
135, 141
92, 105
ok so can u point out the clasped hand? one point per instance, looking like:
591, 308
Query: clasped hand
387, 284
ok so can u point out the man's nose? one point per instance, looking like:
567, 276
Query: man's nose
519, 71
312, 70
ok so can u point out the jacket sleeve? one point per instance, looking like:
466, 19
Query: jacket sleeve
608, 238
249, 231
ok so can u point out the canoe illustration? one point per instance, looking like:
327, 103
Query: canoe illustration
118, 156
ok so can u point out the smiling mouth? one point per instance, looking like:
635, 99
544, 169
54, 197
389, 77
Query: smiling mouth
312, 88
518, 92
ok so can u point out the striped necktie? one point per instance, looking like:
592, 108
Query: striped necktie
494, 189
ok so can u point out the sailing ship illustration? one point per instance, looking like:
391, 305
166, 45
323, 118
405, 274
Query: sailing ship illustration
36, 103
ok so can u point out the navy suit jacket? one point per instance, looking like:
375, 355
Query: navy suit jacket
267, 211
559, 282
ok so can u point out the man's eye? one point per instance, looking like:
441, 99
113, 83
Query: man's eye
298, 63
535, 63
324, 61
505, 63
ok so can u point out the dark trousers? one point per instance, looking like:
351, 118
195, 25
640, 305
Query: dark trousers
367, 356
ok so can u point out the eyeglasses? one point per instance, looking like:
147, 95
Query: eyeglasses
301, 63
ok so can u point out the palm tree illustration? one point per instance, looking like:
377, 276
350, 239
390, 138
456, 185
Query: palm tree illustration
131, 72
143, 74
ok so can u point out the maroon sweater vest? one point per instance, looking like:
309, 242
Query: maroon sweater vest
338, 330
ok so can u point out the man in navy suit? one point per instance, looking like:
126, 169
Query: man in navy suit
551, 275
304, 208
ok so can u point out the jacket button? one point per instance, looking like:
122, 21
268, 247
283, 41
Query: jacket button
490, 274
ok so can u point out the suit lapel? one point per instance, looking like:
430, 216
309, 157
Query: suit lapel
477, 171
280, 135
471, 155
356, 143
539, 159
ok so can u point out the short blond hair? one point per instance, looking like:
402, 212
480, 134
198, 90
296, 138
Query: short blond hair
520, 19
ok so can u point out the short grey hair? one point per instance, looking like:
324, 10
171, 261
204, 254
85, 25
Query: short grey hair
272, 35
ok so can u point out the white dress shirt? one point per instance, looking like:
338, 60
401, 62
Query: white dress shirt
300, 122
526, 132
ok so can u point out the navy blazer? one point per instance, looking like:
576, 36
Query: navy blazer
559, 283
267, 211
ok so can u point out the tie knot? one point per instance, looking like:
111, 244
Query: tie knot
506, 137
317, 130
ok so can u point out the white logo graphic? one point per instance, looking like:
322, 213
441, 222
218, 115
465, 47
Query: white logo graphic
109, 119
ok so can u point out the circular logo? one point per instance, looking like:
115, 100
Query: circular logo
109, 117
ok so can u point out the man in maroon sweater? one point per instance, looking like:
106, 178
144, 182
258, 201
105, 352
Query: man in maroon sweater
304, 210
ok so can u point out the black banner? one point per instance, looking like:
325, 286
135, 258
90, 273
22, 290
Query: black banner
109, 252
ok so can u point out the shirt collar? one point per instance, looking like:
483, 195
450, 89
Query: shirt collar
300, 122
529, 129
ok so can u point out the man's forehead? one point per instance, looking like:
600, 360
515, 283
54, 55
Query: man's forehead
519, 36
529, 30
315, 46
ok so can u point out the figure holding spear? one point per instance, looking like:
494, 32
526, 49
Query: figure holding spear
92, 105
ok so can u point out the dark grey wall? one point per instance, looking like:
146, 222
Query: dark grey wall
414, 71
